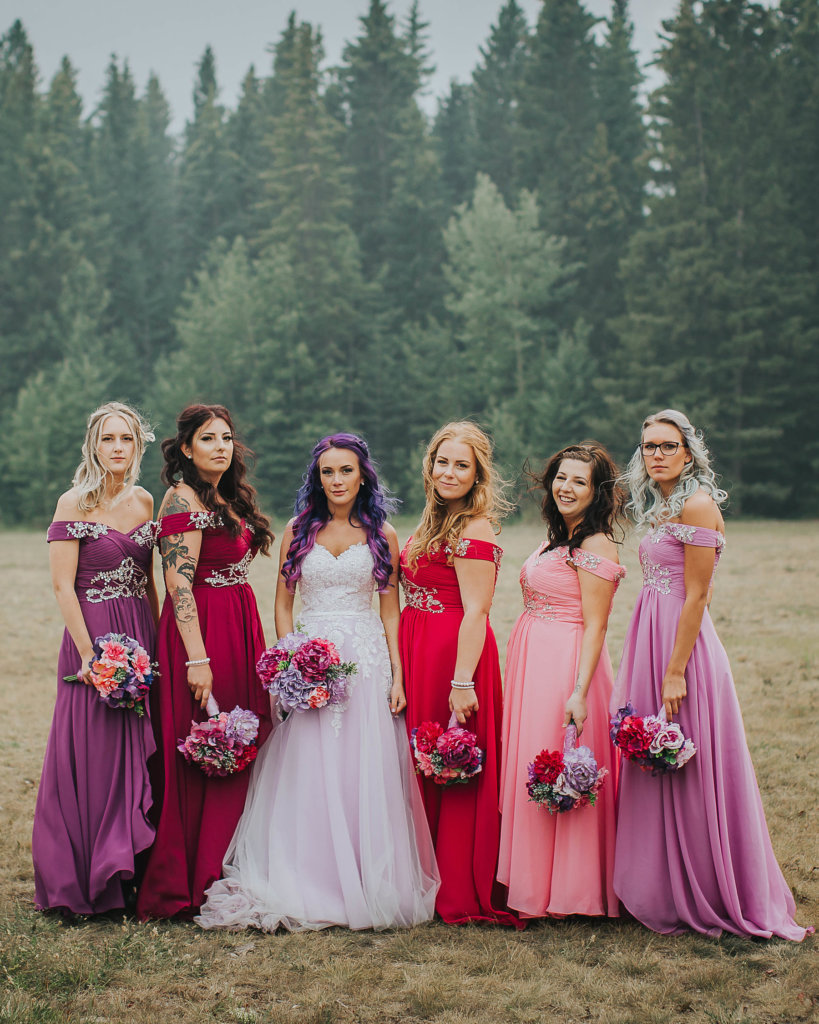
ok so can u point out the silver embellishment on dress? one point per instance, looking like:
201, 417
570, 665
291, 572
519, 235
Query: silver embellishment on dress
127, 580
537, 604
146, 535
422, 598
676, 530
232, 575
202, 520
460, 550
655, 575
583, 559
79, 530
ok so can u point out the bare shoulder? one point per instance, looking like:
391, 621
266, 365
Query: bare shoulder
145, 500
701, 510
180, 498
68, 507
389, 532
479, 529
600, 544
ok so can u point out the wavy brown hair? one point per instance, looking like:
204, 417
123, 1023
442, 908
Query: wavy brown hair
606, 513
439, 526
233, 489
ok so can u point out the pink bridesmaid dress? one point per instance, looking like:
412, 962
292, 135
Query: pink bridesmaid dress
560, 864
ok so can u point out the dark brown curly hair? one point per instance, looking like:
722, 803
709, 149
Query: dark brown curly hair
233, 489
605, 515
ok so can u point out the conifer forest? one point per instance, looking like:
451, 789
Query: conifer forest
553, 253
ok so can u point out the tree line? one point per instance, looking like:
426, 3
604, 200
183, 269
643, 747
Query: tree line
549, 254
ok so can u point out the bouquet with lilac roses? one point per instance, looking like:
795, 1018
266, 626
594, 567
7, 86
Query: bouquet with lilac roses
651, 741
562, 782
304, 672
223, 744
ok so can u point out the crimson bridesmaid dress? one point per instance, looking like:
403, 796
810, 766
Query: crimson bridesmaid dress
464, 819
199, 813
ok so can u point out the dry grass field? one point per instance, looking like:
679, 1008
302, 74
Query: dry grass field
116, 970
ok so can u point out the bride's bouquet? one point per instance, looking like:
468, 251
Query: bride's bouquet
304, 672
651, 741
562, 782
121, 672
447, 756
223, 744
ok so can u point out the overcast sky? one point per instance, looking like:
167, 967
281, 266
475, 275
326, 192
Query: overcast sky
169, 36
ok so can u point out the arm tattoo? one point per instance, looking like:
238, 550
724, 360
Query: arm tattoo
577, 687
184, 606
174, 503
175, 553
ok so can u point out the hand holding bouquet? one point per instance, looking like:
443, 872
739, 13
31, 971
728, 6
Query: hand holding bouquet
224, 744
304, 672
562, 782
651, 741
121, 672
446, 756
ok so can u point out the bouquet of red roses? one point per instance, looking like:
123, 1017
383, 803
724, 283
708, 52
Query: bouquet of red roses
561, 782
447, 756
651, 741
304, 672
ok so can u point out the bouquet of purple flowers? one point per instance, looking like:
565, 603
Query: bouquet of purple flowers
447, 756
651, 741
304, 672
223, 744
562, 782
121, 672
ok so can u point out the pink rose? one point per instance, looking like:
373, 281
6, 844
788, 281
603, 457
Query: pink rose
314, 658
142, 663
114, 653
318, 697
668, 737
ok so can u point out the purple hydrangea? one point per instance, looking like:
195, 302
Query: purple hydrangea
293, 691
242, 725
580, 769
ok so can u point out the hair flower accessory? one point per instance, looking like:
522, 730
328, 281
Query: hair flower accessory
563, 782
651, 741
304, 672
121, 672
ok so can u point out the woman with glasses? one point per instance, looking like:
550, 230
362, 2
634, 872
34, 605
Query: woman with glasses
692, 850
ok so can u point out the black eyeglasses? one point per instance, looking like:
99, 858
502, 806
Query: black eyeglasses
666, 447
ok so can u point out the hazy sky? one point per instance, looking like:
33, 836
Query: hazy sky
169, 36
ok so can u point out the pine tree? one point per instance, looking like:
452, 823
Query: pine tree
455, 144
497, 84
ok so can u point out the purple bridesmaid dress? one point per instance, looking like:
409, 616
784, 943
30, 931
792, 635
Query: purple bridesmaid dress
692, 850
91, 818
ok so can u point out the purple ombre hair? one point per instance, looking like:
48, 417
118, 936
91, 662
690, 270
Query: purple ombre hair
372, 506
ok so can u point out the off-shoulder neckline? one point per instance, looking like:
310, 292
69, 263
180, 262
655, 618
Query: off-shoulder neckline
97, 522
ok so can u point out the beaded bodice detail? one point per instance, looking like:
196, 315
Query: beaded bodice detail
111, 565
224, 560
662, 555
551, 586
432, 584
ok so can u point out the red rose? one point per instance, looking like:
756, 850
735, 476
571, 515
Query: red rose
547, 766
633, 739
425, 736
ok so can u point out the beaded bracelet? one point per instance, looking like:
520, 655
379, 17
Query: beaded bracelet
461, 686
197, 661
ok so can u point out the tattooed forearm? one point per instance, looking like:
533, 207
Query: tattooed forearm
174, 550
184, 606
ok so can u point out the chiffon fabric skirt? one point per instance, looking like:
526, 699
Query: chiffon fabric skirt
333, 831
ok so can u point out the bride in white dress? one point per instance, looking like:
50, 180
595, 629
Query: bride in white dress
333, 831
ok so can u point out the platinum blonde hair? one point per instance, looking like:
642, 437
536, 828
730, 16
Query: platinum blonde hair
90, 476
647, 505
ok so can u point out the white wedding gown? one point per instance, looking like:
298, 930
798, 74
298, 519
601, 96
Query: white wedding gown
333, 831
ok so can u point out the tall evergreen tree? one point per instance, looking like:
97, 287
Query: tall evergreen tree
497, 84
455, 143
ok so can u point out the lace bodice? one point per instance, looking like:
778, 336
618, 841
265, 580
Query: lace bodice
342, 585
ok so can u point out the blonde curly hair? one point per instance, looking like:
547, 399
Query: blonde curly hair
439, 526
90, 477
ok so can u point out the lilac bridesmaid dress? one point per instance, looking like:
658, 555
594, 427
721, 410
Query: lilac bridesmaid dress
91, 818
692, 850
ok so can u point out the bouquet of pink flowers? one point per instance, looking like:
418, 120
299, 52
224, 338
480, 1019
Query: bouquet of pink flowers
121, 672
304, 672
447, 756
224, 744
651, 741
562, 782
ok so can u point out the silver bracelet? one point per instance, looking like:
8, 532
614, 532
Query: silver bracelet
197, 661
462, 686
